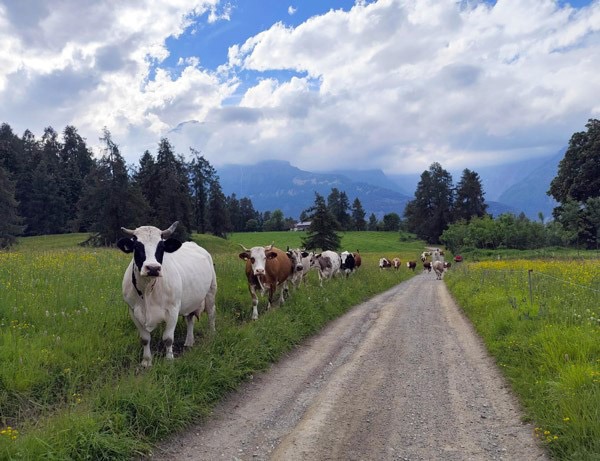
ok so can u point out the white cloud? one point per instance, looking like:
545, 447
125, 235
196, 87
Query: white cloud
389, 84
292, 10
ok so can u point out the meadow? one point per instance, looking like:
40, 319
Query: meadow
70, 382
540, 319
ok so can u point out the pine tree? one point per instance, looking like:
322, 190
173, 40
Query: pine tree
220, 223
173, 197
202, 175
10, 223
249, 216
373, 224
321, 233
469, 201
358, 216
110, 200
146, 179
429, 214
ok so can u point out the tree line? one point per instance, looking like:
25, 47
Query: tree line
457, 216
54, 185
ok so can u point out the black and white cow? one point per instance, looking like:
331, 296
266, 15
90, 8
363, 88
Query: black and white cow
327, 263
348, 263
164, 280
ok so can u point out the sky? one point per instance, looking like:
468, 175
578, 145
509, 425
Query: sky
324, 84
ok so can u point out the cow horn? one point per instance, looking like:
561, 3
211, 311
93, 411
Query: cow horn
245, 249
168, 232
127, 231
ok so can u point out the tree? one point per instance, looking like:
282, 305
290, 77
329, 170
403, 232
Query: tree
75, 163
235, 213
577, 181
469, 201
10, 223
338, 205
321, 233
146, 179
218, 215
173, 197
391, 222
373, 224
248, 214
276, 222
429, 214
358, 216
110, 200
202, 175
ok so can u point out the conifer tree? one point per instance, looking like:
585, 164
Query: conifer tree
358, 216
10, 223
469, 201
321, 233
220, 223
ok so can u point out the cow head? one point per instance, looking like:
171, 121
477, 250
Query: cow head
296, 257
258, 257
149, 244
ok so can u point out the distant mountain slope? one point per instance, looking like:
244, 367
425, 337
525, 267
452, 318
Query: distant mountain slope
278, 185
529, 195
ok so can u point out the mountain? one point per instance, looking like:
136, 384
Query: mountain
276, 184
529, 194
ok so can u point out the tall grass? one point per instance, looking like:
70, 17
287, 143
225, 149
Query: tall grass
70, 382
541, 321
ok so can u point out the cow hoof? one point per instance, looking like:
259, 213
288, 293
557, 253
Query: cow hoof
146, 363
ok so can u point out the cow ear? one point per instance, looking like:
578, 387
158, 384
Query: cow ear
271, 255
172, 245
245, 256
125, 245
304, 254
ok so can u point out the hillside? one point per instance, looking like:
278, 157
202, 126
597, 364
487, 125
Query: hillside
279, 185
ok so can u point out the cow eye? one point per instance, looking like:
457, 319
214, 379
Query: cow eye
252, 260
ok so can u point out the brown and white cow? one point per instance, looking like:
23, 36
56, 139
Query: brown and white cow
267, 268
427, 266
411, 265
396, 263
166, 279
357, 259
384, 263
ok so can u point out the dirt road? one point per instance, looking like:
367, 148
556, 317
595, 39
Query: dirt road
400, 377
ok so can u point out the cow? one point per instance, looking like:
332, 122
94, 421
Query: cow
438, 268
267, 268
447, 265
328, 264
300, 265
166, 279
384, 263
396, 263
348, 263
424, 255
427, 266
411, 265
357, 259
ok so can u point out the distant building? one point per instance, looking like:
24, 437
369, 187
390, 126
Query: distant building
301, 226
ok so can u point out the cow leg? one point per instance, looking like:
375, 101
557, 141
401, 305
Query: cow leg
144, 340
169, 332
147, 355
189, 336
210, 306
254, 302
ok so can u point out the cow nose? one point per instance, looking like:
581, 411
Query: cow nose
153, 270
259, 271
299, 267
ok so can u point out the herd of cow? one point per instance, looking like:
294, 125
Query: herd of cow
160, 290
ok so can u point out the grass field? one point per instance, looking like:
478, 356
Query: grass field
541, 321
70, 382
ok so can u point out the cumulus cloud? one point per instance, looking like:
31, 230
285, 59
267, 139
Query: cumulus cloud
388, 84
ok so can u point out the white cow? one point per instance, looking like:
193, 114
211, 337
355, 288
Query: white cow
327, 263
438, 267
164, 280
300, 265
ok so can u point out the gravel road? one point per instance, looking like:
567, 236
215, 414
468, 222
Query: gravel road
400, 377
